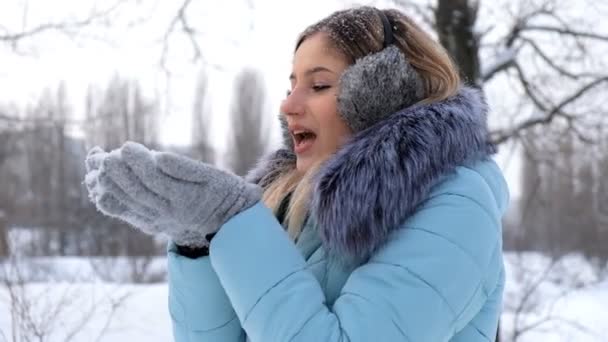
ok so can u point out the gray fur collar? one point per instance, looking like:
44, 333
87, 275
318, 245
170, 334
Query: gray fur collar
379, 178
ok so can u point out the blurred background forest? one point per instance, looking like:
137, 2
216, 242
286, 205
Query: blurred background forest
542, 65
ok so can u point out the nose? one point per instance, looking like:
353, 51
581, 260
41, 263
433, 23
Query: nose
294, 103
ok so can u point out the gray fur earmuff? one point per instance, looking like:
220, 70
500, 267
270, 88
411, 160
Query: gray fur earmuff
377, 86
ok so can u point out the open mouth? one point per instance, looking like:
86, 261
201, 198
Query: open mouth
303, 140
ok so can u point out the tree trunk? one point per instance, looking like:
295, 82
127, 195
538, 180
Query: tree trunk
455, 20
4, 247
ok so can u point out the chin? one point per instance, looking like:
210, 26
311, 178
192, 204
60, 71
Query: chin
303, 164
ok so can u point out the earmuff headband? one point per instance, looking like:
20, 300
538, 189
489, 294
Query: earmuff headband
388, 29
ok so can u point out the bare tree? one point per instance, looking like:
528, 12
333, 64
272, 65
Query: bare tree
9, 138
120, 113
182, 26
51, 313
248, 121
561, 182
4, 247
42, 183
525, 56
539, 285
560, 215
43, 177
455, 20
14, 37
201, 123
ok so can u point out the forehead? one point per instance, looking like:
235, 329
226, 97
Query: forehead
317, 50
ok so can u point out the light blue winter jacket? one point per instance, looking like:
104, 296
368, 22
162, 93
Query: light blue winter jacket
435, 276
439, 278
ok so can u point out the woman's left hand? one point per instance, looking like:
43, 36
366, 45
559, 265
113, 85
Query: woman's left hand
165, 192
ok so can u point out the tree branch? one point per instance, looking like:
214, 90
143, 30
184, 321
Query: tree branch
565, 31
13, 38
425, 12
520, 22
552, 64
551, 113
504, 61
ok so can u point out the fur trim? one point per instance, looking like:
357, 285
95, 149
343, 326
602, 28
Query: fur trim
270, 167
287, 139
379, 178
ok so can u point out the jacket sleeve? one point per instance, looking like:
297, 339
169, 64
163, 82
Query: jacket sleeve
425, 284
199, 308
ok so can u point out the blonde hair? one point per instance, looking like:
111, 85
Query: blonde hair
300, 185
356, 33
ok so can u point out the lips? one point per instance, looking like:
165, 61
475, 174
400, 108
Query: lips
303, 138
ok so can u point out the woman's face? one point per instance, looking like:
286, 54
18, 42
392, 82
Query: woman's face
310, 108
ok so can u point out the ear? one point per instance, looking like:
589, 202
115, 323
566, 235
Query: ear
377, 86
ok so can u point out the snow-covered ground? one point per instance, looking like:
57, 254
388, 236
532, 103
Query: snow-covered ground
84, 300
564, 299
91, 312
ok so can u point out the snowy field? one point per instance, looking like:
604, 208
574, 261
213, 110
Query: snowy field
78, 299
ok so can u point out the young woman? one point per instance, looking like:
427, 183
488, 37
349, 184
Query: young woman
378, 221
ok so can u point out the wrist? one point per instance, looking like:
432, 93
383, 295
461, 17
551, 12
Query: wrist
195, 250
192, 252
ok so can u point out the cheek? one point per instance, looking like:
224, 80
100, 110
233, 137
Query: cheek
328, 108
334, 132
327, 117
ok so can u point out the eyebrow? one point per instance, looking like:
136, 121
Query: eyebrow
312, 71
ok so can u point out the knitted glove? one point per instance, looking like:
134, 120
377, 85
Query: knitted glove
160, 192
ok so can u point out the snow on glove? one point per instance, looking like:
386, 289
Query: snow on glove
111, 199
160, 192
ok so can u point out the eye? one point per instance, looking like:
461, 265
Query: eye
318, 88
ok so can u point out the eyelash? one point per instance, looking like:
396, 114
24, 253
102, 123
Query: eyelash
316, 88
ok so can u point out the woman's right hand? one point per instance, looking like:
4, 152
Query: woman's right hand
160, 192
